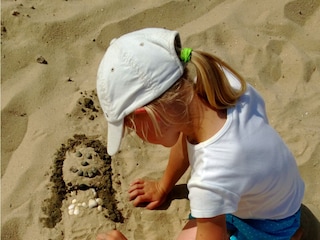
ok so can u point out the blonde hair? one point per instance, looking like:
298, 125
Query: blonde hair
211, 85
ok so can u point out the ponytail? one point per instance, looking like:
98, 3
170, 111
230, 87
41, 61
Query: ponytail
212, 84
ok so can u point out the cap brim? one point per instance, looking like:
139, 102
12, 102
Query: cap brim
115, 132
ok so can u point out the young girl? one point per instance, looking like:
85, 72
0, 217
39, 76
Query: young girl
244, 181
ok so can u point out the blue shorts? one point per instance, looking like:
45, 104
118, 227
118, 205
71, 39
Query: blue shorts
253, 229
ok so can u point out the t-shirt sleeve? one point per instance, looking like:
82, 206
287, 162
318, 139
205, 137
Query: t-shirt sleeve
208, 201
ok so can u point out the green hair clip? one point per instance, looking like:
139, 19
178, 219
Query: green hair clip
185, 54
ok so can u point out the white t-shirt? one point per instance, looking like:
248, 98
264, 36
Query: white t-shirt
245, 169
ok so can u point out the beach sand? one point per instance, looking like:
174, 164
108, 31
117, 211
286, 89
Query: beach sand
50, 114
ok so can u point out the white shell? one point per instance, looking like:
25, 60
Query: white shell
99, 201
92, 203
70, 212
100, 208
76, 211
71, 207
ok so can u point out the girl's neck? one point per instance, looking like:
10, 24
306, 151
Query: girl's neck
205, 121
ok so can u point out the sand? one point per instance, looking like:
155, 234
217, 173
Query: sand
49, 110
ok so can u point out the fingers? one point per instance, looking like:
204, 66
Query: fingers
136, 193
137, 184
137, 181
141, 199
153, 205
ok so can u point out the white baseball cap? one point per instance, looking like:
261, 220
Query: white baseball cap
137, 68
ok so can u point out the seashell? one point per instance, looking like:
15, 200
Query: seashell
71, 207
76, 211
100, 208
92, 203
99, 201
70, 212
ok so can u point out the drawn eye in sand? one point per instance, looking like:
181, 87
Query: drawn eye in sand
81, 181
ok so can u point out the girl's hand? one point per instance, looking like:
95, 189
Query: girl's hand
112, 235
145, 191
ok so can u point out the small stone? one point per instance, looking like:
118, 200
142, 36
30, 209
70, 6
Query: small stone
91, 174
74, 169
88, 103
83, 187
95, 170
80, 173
78, 154
84, 163
74, 201
41, 60
92, 203
84, 204
99, 208
15, 13
69, 79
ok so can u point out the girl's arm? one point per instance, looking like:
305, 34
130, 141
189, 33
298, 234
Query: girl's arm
155, 192
177, 165
212, 228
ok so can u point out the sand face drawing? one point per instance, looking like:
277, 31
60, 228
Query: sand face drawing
81, 173
82, 176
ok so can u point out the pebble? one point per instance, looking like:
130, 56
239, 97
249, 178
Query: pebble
84, 163
78, 154
99, 208
92, 203
41, 59
95, 170
74, 169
